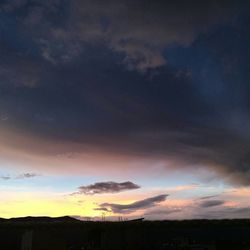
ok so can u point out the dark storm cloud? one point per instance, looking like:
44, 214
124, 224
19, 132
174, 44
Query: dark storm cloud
107, 187
127, 27
212, 203
137, 205
63, 83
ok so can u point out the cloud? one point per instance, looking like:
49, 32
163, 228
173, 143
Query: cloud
19, 71
4, 118
162, 212
208, 197
125, 26
226, 212
20, 176
184, 187
27, 175
212, 203
99, 114
104, 209
12, 5
107, 187
5, 177
128, 26
137, 205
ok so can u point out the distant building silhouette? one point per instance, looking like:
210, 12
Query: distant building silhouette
137, 220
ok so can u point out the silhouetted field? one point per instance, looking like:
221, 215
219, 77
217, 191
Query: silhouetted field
67, 233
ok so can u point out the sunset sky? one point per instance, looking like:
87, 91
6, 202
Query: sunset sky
125, 108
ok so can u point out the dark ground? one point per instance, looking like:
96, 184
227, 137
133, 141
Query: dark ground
67, 233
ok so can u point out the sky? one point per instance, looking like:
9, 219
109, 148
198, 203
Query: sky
125, 109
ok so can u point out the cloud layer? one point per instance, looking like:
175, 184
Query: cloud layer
73, 96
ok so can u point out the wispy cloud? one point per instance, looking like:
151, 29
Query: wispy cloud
226, 212
4, 117
5, 177
184, 187
20, 176
104, 209
208, 197
163, 211
212, 203
27, 175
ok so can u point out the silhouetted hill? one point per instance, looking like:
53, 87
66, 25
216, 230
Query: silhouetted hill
37, 219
